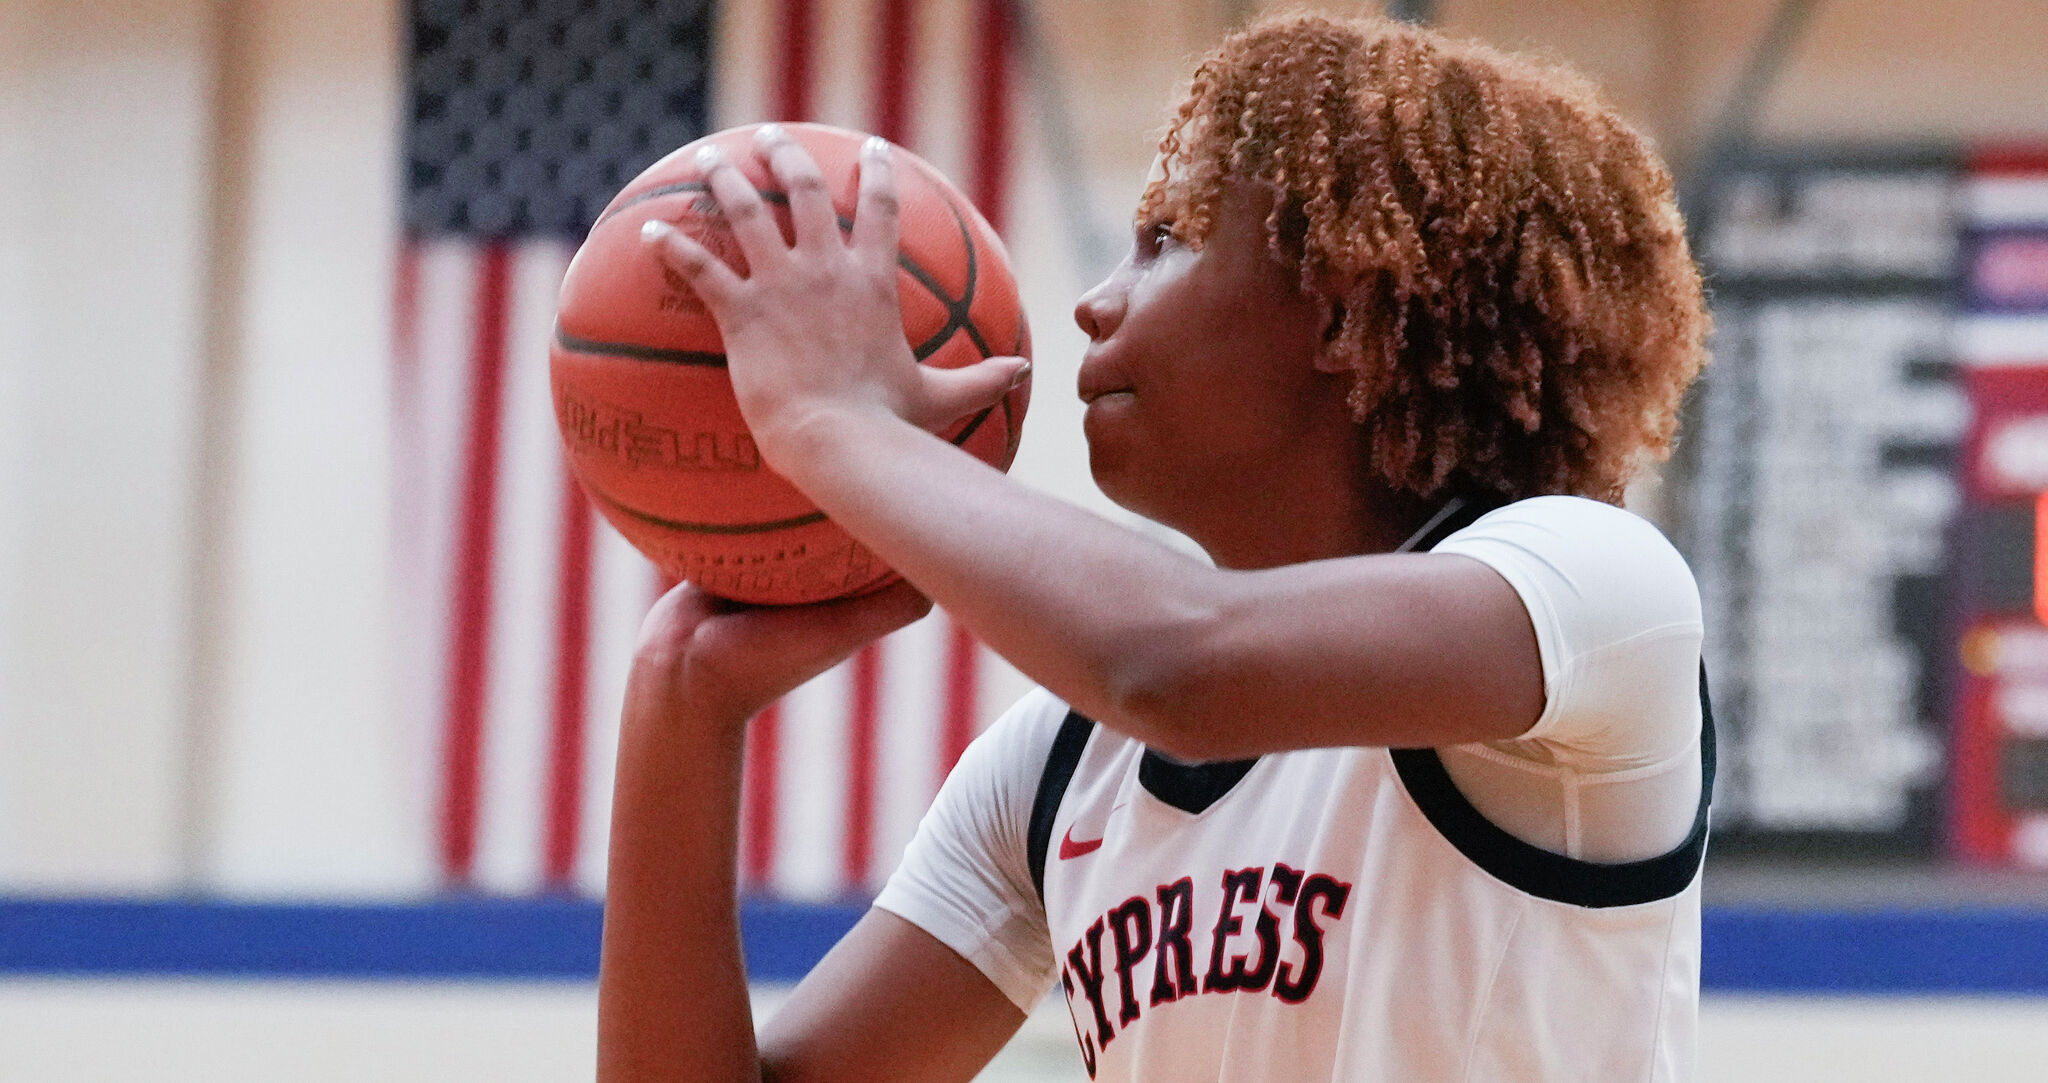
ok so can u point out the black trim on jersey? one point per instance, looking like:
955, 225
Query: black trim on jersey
1540, 872
1192, 788
1052, 787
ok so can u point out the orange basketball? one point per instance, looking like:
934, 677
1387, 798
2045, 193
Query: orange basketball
648, 414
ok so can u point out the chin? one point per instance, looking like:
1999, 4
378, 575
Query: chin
1109, 465
1120, 483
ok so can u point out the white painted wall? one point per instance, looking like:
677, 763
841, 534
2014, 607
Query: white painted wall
317, 788
103, 208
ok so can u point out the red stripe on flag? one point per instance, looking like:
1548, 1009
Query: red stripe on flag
793, 92
989, 188
764, 736
572, 662
792, 102
864, 717
896, 45
894, 42
470, 628
989, 171
963, 688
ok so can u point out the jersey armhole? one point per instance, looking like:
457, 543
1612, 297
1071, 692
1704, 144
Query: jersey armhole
1067, 746
1548, 875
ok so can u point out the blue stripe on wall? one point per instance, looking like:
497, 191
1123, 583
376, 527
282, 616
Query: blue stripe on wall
1847, 952
454, 938
1878, 951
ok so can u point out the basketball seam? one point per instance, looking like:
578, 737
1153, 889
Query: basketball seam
637, 352
966, 432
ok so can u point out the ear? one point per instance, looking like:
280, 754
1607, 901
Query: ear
1333, 325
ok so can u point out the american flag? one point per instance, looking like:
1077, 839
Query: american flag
521, 605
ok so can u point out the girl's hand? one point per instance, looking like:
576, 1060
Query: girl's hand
706, 658
814, 330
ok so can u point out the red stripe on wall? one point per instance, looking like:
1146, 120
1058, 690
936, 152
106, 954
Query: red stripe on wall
572, 662
470, 626
757, 790
408, 425
405, 342
895, 56
793, 90
863, 722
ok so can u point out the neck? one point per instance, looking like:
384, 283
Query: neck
1300, 524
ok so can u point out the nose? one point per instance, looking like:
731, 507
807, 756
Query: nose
1101, 309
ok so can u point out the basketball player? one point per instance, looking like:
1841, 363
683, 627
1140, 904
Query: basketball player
1410, 785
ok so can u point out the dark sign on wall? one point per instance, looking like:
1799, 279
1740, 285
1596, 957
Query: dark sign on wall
1819, 460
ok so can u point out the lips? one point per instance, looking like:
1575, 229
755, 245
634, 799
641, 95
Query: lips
1100, 377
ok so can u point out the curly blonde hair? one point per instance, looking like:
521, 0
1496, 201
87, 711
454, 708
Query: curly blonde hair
1509, 275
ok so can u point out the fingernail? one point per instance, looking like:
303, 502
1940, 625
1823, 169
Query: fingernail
875, 147
709, 157
1022, 375
654, 229
770, 133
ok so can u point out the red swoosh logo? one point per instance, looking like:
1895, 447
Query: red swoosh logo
1069, 849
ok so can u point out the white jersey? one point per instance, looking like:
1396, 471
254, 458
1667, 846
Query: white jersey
1348, 913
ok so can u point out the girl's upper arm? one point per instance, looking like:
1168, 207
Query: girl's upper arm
939, 974
1471, 642
889, 1002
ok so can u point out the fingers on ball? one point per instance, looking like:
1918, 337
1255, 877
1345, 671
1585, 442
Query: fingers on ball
710, 276
744, 210
810, 200
876, 219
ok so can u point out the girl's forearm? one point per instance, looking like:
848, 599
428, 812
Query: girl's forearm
1097, 613
672, 991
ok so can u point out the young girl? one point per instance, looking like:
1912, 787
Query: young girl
1411, 785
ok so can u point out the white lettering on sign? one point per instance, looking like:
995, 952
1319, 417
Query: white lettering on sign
2016, 454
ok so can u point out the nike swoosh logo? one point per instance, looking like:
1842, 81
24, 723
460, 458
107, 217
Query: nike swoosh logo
1069, 849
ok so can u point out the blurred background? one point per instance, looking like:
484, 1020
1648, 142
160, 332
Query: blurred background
311, 652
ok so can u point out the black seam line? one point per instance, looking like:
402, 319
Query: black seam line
716, 360
959, 314
961, 440
768, 527
638, 353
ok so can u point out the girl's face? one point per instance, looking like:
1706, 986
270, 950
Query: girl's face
1201, 377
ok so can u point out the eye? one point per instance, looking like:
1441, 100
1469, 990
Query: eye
1154, 236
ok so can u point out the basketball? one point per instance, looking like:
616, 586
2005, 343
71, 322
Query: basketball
647, 412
